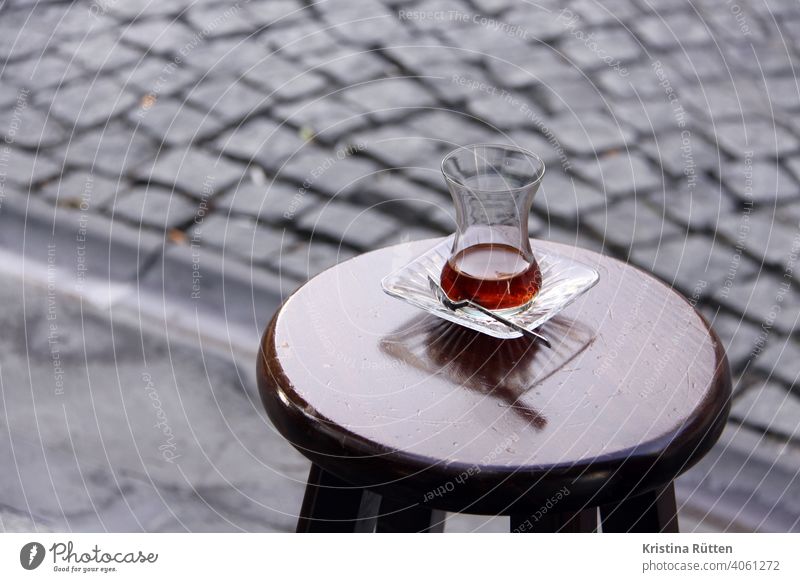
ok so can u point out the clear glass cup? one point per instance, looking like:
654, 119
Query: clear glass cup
492, 262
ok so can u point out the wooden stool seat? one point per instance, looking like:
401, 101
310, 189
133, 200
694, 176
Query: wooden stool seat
388, 401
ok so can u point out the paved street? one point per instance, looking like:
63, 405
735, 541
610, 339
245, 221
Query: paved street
200, 156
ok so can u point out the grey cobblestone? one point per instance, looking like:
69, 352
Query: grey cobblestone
701, 205
764, 301
48, 70
539, 22
549, 230
492, 6
695, 264
9, 94
793, 163
172, 122
575, 96
789, 214
430, 175
273, 201
761, 138
82, 106
723, 100
762, 236
329, 172
102, 52
567, 198
157, 77
539, 64
695, 63
364, 112
39, 130
239, 290
114, 150
158, 36
478, 41
758, 59
263, 141
782, 92
21, 45
112, 250
274, 12
63, 19
368, 24
283, 80
415, 198
222, 57
389, 99
539, 144
427, 23
724, 24
26, 168
193, 171
631, 224
306, 260
426, 52
154, 207
770, 408
297, 40
638, 81
593, 133
504, 112
228, 99
619, 174
649, 117
397, 147
612, 11
442, 218
673, 30
681, 154
613, 46
135, 9
763, 182
82, 187
453, 128
243, 237
346, 67
739, 338
346, 223
786, 26
221, 20
326, 118
452, 83
778, 361
781, 8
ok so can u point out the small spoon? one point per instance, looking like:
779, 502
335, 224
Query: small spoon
453, 305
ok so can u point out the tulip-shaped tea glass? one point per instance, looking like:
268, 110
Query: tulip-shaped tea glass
491, 262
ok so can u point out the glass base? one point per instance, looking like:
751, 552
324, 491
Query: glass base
506, 312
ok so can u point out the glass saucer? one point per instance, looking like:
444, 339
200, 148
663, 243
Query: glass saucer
563, 281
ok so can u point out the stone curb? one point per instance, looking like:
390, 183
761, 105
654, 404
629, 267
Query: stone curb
79, 249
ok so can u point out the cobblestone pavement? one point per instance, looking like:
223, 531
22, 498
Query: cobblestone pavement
266, 140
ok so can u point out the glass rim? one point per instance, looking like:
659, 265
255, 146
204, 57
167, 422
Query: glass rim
498, 146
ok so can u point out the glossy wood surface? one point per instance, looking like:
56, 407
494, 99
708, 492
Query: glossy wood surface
635, 390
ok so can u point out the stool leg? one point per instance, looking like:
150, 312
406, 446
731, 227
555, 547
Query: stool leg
650, 512
399, 517
583, 521
332, 505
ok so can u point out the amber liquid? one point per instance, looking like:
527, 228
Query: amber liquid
495, 276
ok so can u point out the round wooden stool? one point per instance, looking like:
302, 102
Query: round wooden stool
405, 416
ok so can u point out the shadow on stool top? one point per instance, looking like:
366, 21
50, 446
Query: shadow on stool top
634, 391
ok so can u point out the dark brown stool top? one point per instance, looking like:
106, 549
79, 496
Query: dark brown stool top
378, 393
